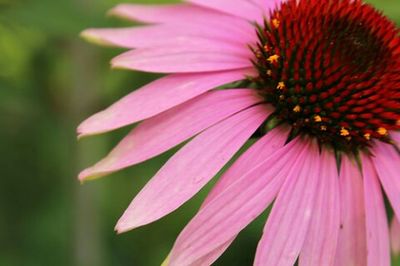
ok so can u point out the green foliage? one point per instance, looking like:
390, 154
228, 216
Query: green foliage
50, 80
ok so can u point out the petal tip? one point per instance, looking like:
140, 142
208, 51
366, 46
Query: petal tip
91, 36
123, 227
119, 11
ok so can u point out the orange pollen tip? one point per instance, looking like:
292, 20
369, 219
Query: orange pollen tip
344, 132
266, 48
281, 85
317, 119
297, 109
367, 136
273, 58
269, 72
382, 131
324, 128
276, 22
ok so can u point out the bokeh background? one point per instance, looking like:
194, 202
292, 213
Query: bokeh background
50, 80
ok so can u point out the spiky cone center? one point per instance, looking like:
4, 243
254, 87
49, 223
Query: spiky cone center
331, 68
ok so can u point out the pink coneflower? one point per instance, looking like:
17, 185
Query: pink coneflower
316, 81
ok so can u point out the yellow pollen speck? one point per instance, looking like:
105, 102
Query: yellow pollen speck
266, 48
282, 97
317, 119
324, 128
276, 22
344, 132
269, 72
382, 131
297, 109
273, 58
281, 85
367, 136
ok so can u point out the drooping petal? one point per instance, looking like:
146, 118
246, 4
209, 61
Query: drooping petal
396, 137
288, 223
351, 249
256, 154
226, 215
191, 16
155, 98
166, 130
320, 244
395, 236
183, 59
266, 5
240, 8
211, 257
378, 250
191, 168
387, 164
158, 35
159, 13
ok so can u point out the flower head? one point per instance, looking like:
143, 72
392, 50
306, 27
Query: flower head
315, 81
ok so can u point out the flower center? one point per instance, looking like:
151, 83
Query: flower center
331, 68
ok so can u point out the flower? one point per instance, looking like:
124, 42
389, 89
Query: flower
315, 81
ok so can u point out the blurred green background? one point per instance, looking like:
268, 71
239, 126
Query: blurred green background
50, 80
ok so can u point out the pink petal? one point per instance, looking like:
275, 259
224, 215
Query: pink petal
266, 5
320, 244
395, 236
183, 59
166, 130
160, 13
255, 155
387, 164
191, 168
211, 257
288, 223
155, 98
378, 250
240, 8
351, 249
189, 15
225, 216
160, 35
396, 137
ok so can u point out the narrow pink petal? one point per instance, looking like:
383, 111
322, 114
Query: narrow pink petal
387, 164
225, 216
211, 257
159, 13
189, 15
288, 223
351, 249
240, 8
320, 244
183, 59
191, 168
166, 130
378, 250
155, 98
255, 155
266, 5
395, 236
159, 35
396, 137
